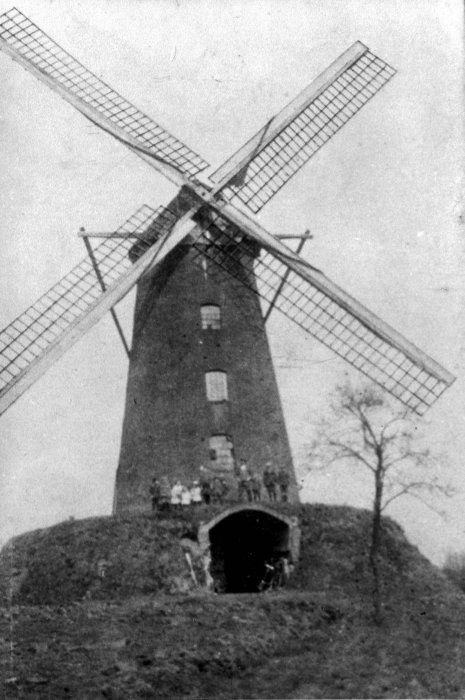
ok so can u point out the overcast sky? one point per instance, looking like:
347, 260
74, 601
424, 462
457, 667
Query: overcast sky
383, 200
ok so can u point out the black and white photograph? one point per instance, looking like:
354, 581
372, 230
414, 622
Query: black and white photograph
232, 356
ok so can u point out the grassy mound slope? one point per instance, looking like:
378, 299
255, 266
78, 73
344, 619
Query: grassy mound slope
315, 639
65, 563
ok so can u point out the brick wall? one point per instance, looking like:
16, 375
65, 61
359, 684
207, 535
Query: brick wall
168, 420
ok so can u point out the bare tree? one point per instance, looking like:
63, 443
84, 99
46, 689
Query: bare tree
366, 429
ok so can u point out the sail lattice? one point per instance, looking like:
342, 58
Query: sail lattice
406, 377
25, 38
31, 333
274, 165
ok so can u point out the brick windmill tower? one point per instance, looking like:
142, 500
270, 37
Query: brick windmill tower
201, 385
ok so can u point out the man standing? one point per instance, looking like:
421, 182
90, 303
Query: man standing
256, 487
283, 481
216, 491
165, 493
245, 490
155, 493
205, 485
269, 480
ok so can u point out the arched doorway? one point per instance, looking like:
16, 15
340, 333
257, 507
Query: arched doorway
242, 541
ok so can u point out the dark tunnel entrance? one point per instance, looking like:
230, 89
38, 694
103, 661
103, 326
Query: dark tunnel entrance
242, 545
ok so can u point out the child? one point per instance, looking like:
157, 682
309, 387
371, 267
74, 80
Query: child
196, 493
185, 496
176, 492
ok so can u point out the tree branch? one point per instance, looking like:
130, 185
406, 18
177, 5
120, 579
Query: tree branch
416, 457
397, 419
350, 452
427, 504
415, 485
367, 427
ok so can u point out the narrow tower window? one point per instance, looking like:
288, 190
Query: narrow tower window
217, 386
221, 452
211, 316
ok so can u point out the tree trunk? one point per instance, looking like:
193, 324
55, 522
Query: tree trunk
374, 547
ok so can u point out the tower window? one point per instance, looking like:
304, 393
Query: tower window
221, 452
211, 316
217, 386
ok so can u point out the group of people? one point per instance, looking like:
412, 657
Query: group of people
165, 496
275, 482
210, 489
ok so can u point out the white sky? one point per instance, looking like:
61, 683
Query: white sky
383, 200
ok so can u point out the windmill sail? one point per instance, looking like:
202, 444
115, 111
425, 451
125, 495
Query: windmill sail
329, 314
271, 157
40, 335
251, 177
38, 53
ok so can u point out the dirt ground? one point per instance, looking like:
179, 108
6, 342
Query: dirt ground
146, 631
273, 645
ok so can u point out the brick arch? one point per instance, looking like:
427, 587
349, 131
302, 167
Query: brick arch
208, 531
290, 521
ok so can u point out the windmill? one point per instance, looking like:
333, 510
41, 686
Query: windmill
206, 235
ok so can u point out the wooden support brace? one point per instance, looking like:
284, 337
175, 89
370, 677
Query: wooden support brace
103, 286
305, 237
294, 237
82, 233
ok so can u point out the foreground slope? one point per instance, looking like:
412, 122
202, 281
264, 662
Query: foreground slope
314, 638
